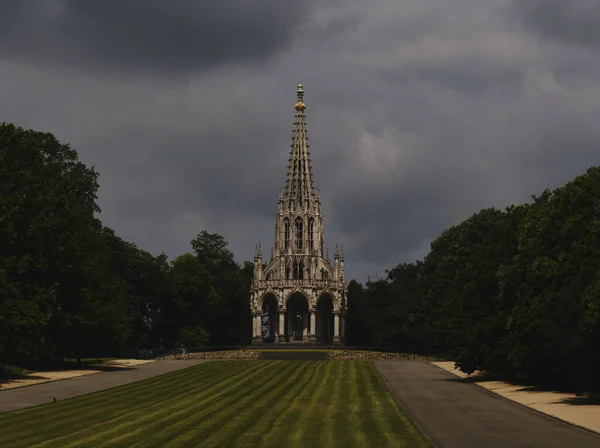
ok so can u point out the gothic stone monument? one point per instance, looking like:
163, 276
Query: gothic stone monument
298, 296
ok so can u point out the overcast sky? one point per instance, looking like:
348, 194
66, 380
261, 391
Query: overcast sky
420, 112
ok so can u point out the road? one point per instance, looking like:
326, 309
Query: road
453, 413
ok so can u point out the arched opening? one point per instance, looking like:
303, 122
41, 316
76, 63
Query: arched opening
311, 233
298, 228
298, 270
286, 233
325, 319
297, 318
269, 328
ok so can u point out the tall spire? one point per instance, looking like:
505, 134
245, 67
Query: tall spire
299, 186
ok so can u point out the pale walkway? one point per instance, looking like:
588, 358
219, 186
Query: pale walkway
45, 377
24, 397
567, 407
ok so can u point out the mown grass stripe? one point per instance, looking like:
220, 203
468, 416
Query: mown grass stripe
69, 413
374, 405
200, 410
77, 413
340, 420
272, 407
128, 426
355, 402
327, 436
106, 396
199, 427
223, 434
366, 417
386, 433
230, 403
307, 430
396, 418
129, 409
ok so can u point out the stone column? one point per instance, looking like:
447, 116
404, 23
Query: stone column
336, 328
313, 327
257, 339
281, 326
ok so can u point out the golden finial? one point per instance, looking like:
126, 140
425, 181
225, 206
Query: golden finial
300, 106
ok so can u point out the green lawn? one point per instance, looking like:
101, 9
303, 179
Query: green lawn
227, 403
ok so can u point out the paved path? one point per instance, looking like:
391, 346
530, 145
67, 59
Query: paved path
24, 397
453, 413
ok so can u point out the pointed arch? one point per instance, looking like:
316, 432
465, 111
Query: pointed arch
286, 233
269, 317
298, 269
326, 306
311, 233
297, 315
328, 295
297, 291
298, 229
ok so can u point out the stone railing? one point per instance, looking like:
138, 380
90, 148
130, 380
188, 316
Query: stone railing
293, 283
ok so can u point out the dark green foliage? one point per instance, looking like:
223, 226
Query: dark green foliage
47, 224
230, 322
69, 287
515, 292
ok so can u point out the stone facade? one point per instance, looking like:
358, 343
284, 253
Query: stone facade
299, 296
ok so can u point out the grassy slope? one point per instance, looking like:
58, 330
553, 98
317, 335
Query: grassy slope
232, 403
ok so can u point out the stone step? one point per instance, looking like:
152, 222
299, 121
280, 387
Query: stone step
297, 355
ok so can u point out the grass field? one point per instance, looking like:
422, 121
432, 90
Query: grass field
227, 403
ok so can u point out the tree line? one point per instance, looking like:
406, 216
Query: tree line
70, 287
514, 292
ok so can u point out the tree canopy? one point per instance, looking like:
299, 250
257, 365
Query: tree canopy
70, 287
514, 291
511, 291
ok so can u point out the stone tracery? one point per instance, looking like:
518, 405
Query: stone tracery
311, 291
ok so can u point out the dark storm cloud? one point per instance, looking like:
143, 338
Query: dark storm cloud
572, 21
419, 113
156, 35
